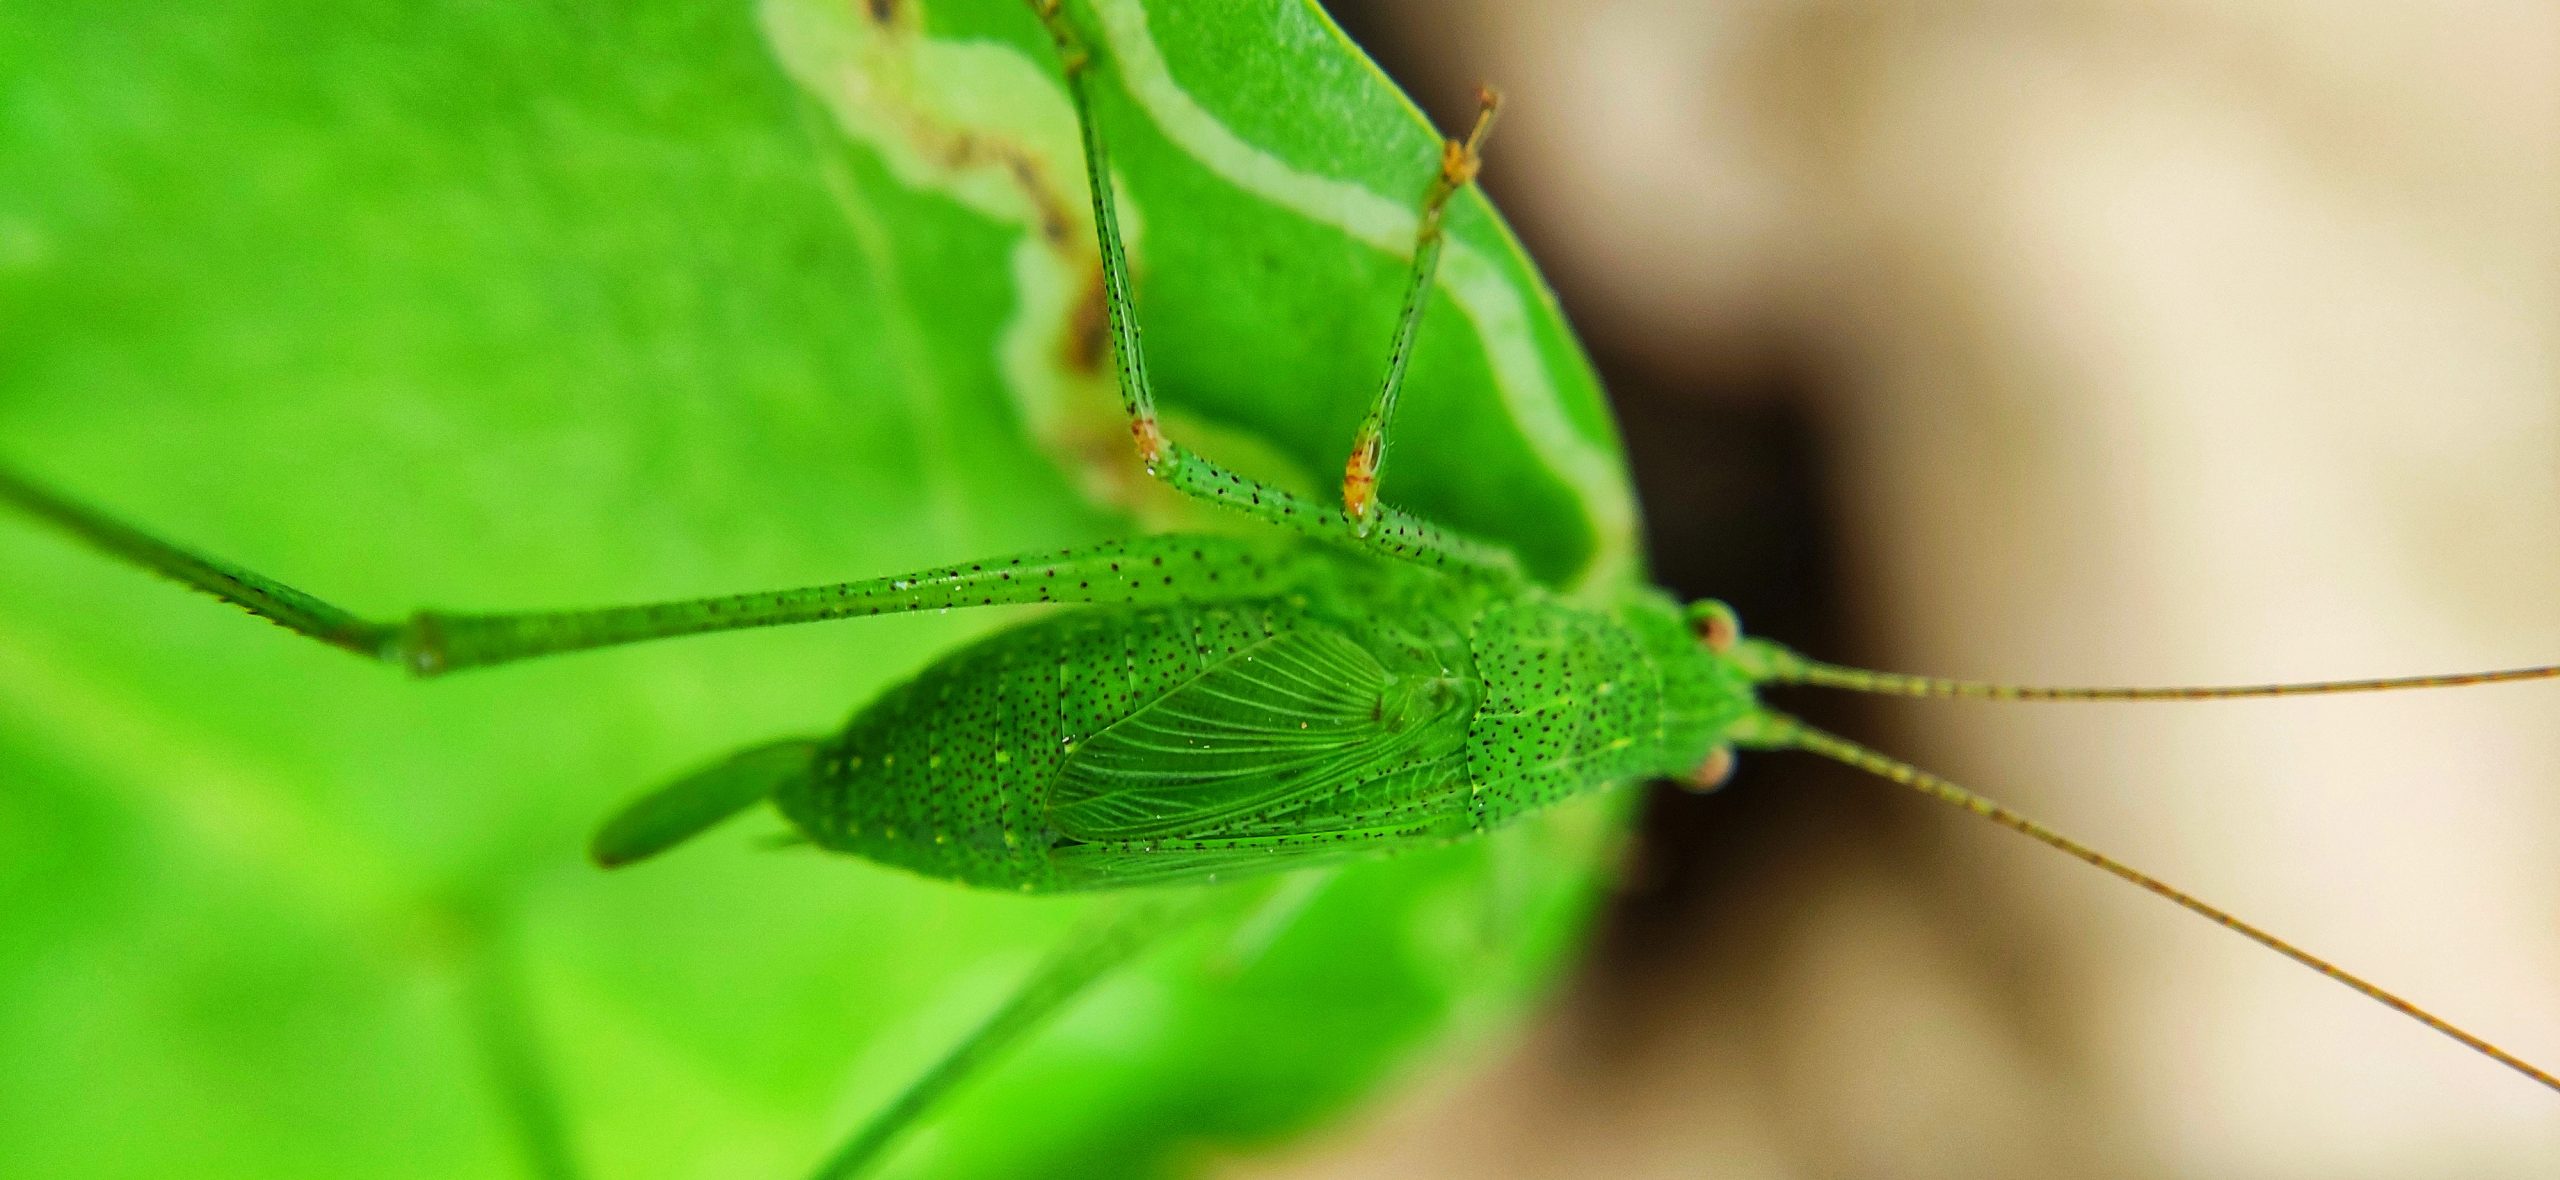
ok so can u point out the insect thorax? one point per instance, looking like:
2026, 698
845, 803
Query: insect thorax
1579, 699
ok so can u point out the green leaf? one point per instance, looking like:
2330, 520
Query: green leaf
522, 305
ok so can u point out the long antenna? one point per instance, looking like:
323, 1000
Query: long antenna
1784, 730
1787, 667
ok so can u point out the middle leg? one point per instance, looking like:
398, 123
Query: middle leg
1381, 528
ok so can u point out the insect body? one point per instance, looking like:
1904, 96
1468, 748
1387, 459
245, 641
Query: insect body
1345, 705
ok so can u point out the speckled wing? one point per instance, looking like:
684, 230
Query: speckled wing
1257, 734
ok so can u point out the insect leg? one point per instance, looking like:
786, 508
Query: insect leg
1140, 570
1397, 533
1172, 568
494, 995
271, 600
1097, 947
1459, 161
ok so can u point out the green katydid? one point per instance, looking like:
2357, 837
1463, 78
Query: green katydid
1360, 635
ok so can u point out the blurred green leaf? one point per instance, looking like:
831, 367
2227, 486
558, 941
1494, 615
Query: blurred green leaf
515, 305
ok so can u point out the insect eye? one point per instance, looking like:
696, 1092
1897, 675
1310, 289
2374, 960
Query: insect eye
1711, 773
1716, 625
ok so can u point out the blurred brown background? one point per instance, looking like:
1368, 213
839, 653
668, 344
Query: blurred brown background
2096, 342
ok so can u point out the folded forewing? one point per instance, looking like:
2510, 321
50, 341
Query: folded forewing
1256, 734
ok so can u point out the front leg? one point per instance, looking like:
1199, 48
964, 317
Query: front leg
1459, 162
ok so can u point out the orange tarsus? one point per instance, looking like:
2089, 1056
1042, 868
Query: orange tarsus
1458, 164
1360, 476
1460, 161
1151, 444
